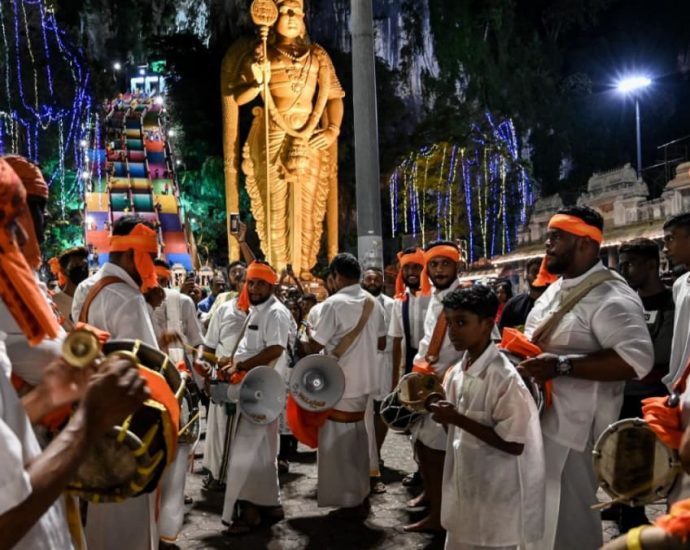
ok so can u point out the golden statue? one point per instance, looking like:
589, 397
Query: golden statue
297, 181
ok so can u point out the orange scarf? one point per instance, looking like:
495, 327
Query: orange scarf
544, 277
442, 250
576, 226
144, 241
677, 521
35, 186
18, 287
256, 271
56, 270
416, 257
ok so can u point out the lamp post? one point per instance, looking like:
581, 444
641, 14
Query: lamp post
632, 85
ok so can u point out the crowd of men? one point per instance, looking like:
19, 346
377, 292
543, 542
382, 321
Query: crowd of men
493, 470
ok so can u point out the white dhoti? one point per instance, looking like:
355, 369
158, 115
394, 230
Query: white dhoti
171, 515
571, 490
252, 473
343, 459
429, 433
216, 449
457, 545
130, 524
371, 439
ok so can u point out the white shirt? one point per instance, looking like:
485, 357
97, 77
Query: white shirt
119, 308
18, 447
225, 328
680, 347
418, 306
448, 355
337, 316
28, 361
386, 356
268, 325
178, 308
611, 316
490, 497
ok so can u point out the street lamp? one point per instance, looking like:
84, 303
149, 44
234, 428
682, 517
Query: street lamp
633, 85
117, 66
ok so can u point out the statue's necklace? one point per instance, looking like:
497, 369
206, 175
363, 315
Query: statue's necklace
297, 71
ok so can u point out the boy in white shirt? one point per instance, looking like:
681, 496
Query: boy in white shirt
493, 478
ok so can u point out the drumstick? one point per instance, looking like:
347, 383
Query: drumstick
188, 424
627, 496
205, 354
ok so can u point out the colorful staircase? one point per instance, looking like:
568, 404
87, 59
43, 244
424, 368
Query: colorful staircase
139, 179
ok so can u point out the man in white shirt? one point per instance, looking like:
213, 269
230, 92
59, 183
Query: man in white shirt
252, 476
74, 265
601, 342
435, 356
372, 282
343, 458
120, 309
176, 325
407, 322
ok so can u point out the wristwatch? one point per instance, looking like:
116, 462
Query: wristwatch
564, 366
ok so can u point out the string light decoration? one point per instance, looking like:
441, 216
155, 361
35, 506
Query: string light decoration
39, 119
479, 190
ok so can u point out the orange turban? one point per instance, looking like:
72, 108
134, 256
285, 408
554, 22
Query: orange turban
144, 241
35, 186
18, 287
256, 271
163, 272
56, 270
443, 250
544, 277
416, 257
576, 226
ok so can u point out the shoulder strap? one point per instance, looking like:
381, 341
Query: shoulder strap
351, 336
574, 296
437, 338
405, 310
95, 289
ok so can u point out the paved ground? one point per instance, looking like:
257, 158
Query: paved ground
307, 527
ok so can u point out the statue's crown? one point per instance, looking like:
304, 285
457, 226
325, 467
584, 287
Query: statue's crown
291, 3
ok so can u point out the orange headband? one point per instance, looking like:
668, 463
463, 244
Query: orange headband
144, 241
416, 257
163, 272
442, 250
259, 271
56, 270
576, 226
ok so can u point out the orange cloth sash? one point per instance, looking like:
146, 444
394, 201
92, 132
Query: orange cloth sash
442, 250
305, 425
18, 287
677, 521
56, 270
576, 226
144, 241
516, 343
416, 257
544, 277
161, 392
256, 271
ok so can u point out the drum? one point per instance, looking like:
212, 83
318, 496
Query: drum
130, 459
533, 386
416, 391
633, 465
395, 416
189, 413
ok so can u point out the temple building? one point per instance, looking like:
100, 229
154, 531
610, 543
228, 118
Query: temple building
621, 198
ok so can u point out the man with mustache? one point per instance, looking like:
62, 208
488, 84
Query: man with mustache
73, 266
601, 342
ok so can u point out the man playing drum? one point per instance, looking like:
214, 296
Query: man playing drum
601, 342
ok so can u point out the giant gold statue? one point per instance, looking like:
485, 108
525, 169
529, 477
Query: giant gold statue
295, 185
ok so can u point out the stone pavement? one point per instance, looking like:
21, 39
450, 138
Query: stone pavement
308, 527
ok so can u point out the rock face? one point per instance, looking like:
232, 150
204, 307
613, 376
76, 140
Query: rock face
404, 38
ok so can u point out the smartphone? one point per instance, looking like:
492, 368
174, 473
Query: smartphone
234, 223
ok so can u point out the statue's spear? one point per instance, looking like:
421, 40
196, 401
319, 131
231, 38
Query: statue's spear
264, 15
